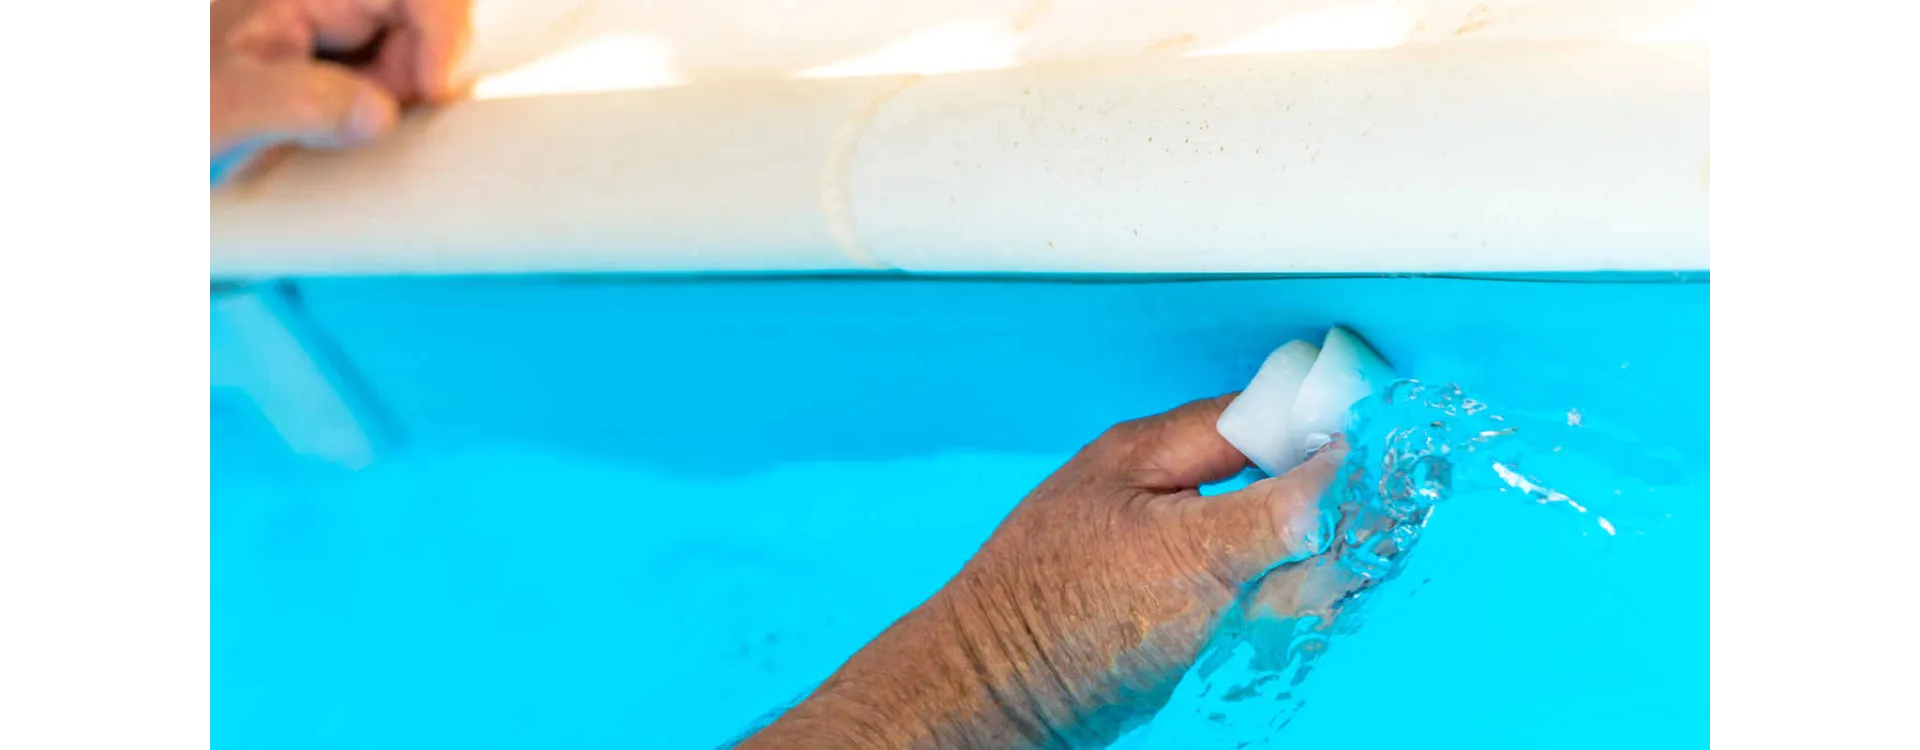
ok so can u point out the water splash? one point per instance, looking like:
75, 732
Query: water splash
1412, 449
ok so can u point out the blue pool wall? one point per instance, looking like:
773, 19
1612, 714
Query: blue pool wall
739, 375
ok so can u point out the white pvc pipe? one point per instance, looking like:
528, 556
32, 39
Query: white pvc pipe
1461, 157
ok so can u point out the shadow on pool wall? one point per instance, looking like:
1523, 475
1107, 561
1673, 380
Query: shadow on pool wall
726, 377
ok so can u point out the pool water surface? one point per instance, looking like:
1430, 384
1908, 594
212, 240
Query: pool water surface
643, 512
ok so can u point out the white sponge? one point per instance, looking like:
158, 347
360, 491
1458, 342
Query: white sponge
1258, 421
1300, 398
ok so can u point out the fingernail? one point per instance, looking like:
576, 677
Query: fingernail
1309, 528
458, 87
1318, 443
371, 117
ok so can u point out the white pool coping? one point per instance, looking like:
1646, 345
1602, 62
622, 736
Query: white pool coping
1514, 156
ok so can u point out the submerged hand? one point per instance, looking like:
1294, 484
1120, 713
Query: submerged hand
326, 73
1082, 611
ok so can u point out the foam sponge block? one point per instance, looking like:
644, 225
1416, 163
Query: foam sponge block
1301, 397
1259, 421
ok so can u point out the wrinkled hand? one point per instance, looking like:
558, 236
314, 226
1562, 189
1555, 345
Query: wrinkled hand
1082, 611
327, 73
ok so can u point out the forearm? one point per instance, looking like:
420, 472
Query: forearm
927, 682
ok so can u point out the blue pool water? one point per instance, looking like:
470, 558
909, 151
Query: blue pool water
641, 513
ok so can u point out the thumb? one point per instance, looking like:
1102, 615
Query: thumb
301, 102
1176, 450
1272, 521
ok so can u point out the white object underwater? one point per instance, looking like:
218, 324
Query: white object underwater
1300, 398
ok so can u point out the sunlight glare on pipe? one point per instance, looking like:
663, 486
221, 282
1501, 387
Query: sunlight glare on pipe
1695, 25
613, 62
1353, 27
955, 48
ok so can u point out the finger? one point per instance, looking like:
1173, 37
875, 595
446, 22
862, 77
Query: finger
269, 31
1316, 586
1287, 617
1270, 522
442, 29
1176, 450
345, 25
394, 68
312, 104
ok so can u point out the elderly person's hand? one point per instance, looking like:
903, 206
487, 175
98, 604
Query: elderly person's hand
1080, 614
326, 73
